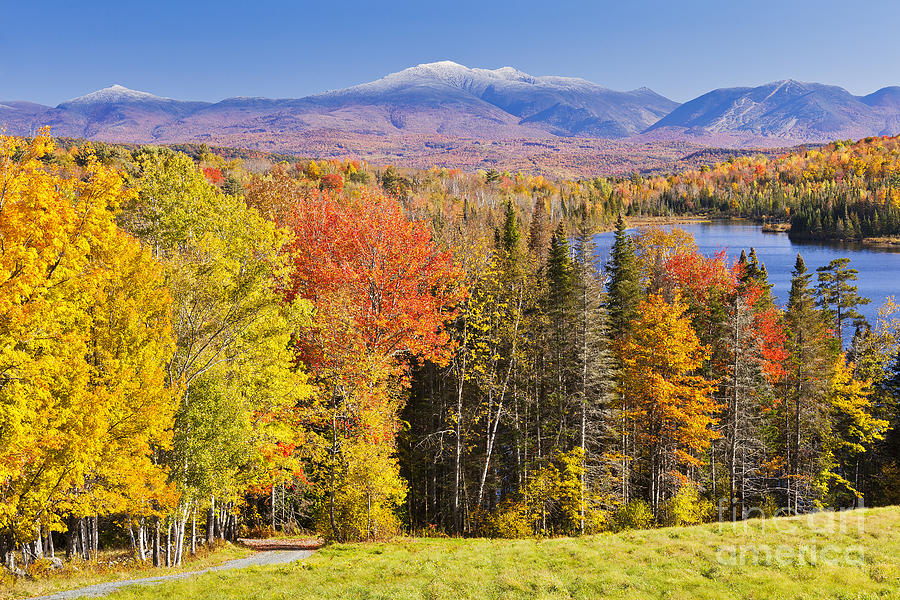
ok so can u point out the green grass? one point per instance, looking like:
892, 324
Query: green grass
690, 562
112, 566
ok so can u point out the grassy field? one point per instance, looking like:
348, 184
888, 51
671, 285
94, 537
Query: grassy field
830, 555
113, 566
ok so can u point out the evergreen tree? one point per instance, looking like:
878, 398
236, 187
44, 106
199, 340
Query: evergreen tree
560, 310
624, 287
804, 414
508, 237
595, 379
540, 233
838, 296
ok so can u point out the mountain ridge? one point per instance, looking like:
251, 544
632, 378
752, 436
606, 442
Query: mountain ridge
428, 110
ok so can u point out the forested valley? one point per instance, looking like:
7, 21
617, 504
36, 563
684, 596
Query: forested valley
196, 348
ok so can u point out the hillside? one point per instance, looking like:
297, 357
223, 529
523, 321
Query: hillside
442, 98
788, 110
447, 114
810, 558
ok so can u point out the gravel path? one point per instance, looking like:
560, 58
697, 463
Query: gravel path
272, 557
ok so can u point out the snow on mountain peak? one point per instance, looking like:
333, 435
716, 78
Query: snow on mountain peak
111, 94
449, 73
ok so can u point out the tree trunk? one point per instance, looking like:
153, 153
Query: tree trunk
333, 491
95, 539
157, 562
85, 540
211, 522
142, 547
194, 531
492, 435
169, 543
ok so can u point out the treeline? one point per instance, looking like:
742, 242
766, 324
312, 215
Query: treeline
841, 191
670, 390
176, 368
195, 348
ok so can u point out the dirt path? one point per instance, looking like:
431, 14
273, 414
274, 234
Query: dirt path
269, 557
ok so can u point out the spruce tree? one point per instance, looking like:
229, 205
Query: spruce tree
560, 272
838, 296
809, 374
624, 287
509, 236
595, 377
540, 231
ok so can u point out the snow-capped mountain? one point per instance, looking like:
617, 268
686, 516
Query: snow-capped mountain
441, 98
559, 105
791, 110
433, 109
113, 94
115, 113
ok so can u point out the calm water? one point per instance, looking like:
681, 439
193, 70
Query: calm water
879, 270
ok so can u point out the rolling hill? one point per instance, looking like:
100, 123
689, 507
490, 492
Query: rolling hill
447, 114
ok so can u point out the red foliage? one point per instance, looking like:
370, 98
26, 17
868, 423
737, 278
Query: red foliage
381, 286
703, 281
332, 181
700, 278
213, 175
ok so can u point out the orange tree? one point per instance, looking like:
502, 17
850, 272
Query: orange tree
672, 409
383, 291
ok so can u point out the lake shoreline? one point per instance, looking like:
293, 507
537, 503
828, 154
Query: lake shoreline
884, 242
634, 222
878, 265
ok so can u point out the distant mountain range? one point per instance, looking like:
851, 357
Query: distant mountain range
788, 110
432, 110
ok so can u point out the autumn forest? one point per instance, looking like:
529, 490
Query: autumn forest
197, 347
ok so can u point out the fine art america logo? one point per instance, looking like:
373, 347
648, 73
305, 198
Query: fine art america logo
824, 523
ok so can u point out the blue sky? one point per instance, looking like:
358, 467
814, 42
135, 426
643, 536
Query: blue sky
51, 51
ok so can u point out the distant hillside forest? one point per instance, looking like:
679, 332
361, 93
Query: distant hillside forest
196, 347
843, 191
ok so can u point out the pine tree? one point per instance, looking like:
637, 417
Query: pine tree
624, 287
595, 383
838, 296
804, 412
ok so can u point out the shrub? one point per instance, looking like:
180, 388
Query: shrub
686, 507
332, 181
359, 177
632, 515
509, 520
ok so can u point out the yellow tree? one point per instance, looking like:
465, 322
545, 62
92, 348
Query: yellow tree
233, 362
671, 408
130, 345
854, 430
66, 372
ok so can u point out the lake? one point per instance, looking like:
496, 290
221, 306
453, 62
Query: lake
879, 269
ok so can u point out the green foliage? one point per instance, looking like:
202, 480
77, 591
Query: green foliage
686, 507
232, 356
837, 296
624, 288
635, 514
